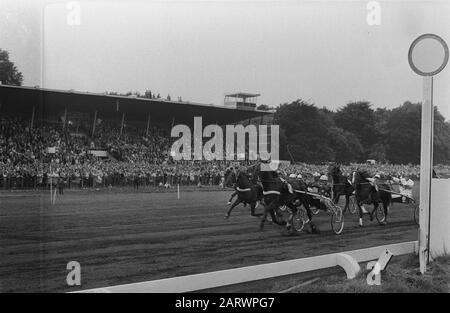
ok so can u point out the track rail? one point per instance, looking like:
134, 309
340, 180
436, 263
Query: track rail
257, 272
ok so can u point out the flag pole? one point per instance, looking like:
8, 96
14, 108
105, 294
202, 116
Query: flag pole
51, 185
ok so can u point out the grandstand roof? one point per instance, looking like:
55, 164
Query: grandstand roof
243, 95
21, 99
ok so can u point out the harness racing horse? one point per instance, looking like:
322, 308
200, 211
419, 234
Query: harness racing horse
303, 198
368, 193
246, 191
340, 185
276, 193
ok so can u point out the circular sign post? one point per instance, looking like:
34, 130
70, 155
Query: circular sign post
427, 56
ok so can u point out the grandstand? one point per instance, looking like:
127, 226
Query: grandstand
89, 139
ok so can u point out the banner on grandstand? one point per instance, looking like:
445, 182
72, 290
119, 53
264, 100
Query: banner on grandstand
52, 150
99, 153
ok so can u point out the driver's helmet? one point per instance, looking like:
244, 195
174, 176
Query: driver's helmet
299, 176
292, 176
324, 178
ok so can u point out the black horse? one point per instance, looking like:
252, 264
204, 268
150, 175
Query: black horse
367, 192
246, 191
302, 197
340, 185
277, 193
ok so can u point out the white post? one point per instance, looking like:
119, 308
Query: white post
65, 118
426, 169
121, 124
95, 122
54, 196
32, 117
178, 191
148, 124
51, 183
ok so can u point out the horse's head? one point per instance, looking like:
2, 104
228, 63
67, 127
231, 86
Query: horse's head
334, 170
255, 169
240, 171
242, 177
358, 177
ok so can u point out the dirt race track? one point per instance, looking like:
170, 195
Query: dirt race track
124, 237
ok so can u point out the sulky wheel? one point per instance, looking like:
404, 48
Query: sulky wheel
300, 219
379, 214
337, 221
352, 205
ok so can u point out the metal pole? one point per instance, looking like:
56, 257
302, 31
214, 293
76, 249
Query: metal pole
95, 122
121, 125
32, 116
148, 124
426, 169
49, 175
65, 117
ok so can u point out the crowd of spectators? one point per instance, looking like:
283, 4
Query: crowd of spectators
131, 144
49, 153
384, 169
136, 158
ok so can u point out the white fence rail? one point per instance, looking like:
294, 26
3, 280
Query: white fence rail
257, 272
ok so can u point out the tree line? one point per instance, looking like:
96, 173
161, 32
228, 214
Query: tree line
357, 132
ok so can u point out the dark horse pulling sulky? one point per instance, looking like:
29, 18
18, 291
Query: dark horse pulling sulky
246, 191
367, 192
278, 193
341, 186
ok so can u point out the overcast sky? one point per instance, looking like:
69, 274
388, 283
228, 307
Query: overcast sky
324, 52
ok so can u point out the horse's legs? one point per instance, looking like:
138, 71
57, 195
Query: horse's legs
268, 208
305, 204
232, 196
386, 210
232, 207
263, 219
264, 216
252, 208
314, 230
360, 213
291, 217
375, 208
347, 202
